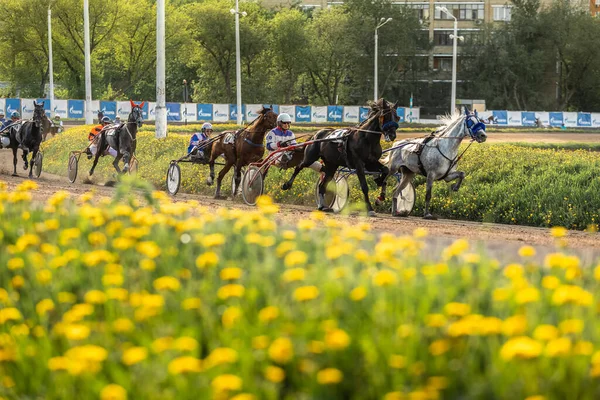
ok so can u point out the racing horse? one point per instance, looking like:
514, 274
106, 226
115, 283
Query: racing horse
28, 137
240, 148
122, 138
358, 148
435, 156
48, 127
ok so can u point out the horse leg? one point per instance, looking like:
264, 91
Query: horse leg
116, 162
14, 161
33, 154
381, 180
311, 155
429, 186
329, 172
360, 173
25, 154
238, 179
407, 177
222, 174
455, 175
126, 158
211, 165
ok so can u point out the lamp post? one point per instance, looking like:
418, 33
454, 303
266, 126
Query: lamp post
238, 66
382, 22
454, 38
185, 97
88, 66
50, 66
161, 105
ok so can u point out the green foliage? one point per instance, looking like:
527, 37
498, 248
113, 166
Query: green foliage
504, 183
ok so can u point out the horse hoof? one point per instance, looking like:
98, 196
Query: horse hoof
15, 174
25, 166
378, 201
286, 186
220, 197
400, 214
209, 181
325, 209
429, 216
455, 188
371, 213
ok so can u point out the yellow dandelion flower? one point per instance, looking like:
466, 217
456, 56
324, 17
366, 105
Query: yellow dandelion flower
213, 240
220, 356
226, 382
184, 365
527, 251
192, 303
162, 344
268, 314
260, 342
230, 273
516, 325
295, 258
520, 347
207, 260
558, 231
435, 320
15, 263
329, 376
545, 332
294, 274
167, 283
358, 293
231, 290
397, 361
550, 282
571, 326
281, 350
147, 265
558, 347
305, 293
122, 325
134, 355
95, 297
231, 316
185, 343
337, 339
527, 295
274, 374
113, 392
457, 309
149, 249
385, 278
439, 347
44, 306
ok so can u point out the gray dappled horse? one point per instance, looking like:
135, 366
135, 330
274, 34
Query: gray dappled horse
435, 156
122, 138
28, 137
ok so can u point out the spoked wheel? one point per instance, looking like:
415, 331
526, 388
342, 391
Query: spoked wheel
173, 179
239, 189
37, 164
133, 166
337, 192
72, 167
253, 185
406, 200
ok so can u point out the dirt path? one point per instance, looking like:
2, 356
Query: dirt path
500, 240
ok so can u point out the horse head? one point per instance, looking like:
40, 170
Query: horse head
38, 113
137, 114
475, 126
267, 118
388, 118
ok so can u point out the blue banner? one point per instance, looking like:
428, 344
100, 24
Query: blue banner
275, 107
302, 113
233, 112
400, 112
528, 118
500, 117
46, 106
584, 119
76, 108
109, 109
335, 113
556, 119
363, 113
144, 109
205, 112
12, 105
173, 112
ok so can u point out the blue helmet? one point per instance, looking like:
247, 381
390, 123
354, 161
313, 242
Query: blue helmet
15, 114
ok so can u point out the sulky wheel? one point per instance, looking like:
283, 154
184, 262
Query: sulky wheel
253, 185
406, 200
72, 167
173, 179
37, 164
336, 194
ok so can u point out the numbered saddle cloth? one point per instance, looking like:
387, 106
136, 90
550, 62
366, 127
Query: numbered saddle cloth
111, 130
229, 138
338, 134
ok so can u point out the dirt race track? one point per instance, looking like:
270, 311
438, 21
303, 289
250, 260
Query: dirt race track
501, 241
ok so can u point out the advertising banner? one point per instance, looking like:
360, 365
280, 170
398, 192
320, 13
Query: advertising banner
95, 108
26, 108
173, 112
188, 112
3, 105
570, 119
363, 112
485, 116
47, 106
514, 118
412, 115
109, 109
303, 114
544, 117
556, 119
233, 112
596, 120
528, 118
400, 112
252, 111
319, 114
274, 106
335, 113
123, 109
76, 108
145, 110
500, 117
220, 112
291, 110
61, 108
351, 113
151, 111
584, 120
204, 112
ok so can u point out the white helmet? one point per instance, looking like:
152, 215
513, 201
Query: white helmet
284, 117
206, 125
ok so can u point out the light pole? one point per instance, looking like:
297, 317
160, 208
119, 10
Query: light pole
50, 66
238, 65
88, 67
454, 38
161, 105
382, 22
185, 97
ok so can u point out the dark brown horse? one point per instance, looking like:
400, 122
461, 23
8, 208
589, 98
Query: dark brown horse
48, 127
240, 148
28, 137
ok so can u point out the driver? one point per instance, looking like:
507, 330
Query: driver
281, 136
93, 136
198, 138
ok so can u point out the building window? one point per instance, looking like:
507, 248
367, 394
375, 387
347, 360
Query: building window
461, 11
422, 10
442, 64
502, 13
442, 37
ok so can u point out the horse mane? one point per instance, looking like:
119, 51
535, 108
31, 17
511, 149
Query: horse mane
448, 121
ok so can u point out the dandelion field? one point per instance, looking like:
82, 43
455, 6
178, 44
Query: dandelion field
148, 299
505, 183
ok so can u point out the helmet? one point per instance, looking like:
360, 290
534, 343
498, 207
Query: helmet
105, 120
15, 114
284, 117
57, 116
206, 125
118, 118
